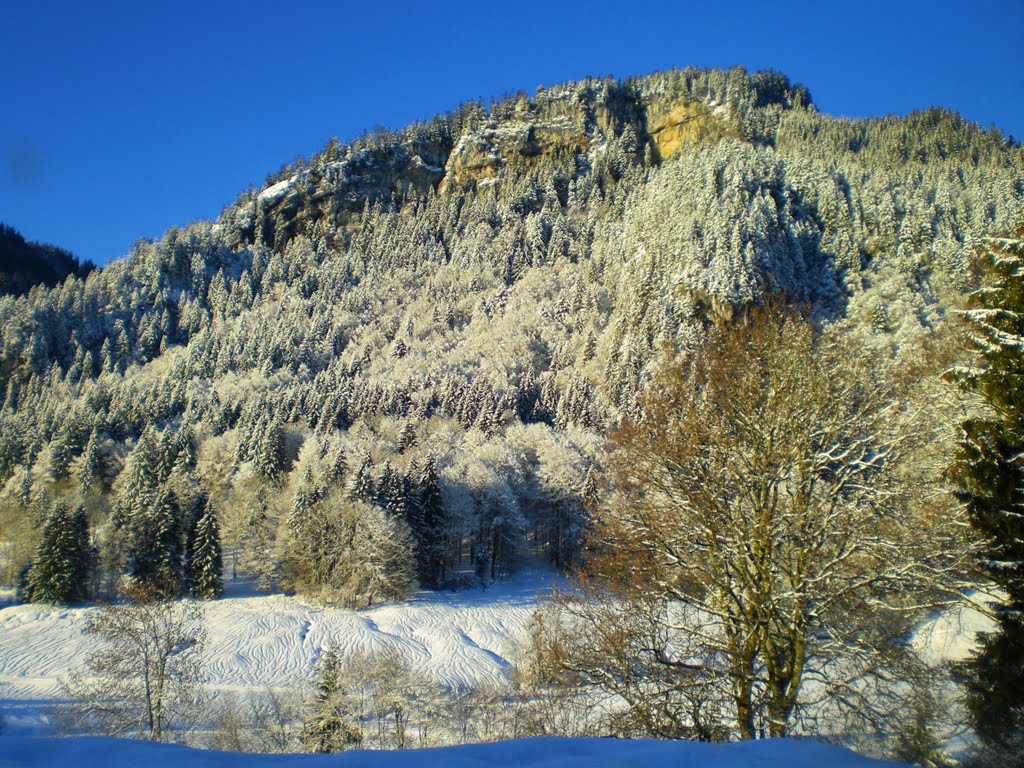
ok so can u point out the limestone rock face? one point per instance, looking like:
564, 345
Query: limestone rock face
675, 125
571, 122
482, 154
327, 194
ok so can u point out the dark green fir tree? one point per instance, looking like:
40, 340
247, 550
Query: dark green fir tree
989, 478
157, 554
63, 561
327, 728
205, 564
426, 520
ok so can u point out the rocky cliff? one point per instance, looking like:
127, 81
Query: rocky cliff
572, 125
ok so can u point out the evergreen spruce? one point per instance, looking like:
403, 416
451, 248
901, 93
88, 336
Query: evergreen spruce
362, 486
63, 561
91, 467
989, 476
157, 554
140, 479
326, 729
426, 520
270, 451
204, 563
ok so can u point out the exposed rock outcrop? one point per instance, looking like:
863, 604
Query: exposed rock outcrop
572, 122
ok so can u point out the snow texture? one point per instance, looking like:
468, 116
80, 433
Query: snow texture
521, 753
276, 191
461, 639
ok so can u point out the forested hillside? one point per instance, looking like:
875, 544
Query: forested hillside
24, 264
399, 359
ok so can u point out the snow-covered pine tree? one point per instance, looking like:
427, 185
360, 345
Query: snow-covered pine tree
205, 563
62, 563
426, 520
326, 728
361, 486
989, 477
140, 478
156, 553
90, 467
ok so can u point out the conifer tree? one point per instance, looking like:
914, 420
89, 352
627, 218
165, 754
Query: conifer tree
140, 478
362, 486
63, 560
205, 563
270, 451
326, 729
426, 519
989, 476
91, 465
157, 556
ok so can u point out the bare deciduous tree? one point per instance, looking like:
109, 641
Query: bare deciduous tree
764, 534
144, 680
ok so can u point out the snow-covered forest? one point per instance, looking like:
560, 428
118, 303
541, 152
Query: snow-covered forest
443, 323
397, 363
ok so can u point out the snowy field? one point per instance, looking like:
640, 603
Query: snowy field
463, 638
523, 753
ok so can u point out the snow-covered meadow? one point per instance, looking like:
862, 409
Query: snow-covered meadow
521, 753
459, 638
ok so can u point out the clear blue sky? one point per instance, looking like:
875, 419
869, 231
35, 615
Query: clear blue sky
121, 119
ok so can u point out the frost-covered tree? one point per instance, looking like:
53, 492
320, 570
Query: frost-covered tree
62, 564
762, 515
989, 478
143, 680
348, 552
140, 479
329, 727
204, 564
427, 523
90, 467
156, 544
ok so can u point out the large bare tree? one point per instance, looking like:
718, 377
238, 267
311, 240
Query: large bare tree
144, 679
767, 536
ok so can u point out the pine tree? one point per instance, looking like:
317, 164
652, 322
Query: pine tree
989, 476
205, 564
63, 561
157, 556
270, 451
140, 478
426, 520
407, 438
91, 466
326, 729
361, 486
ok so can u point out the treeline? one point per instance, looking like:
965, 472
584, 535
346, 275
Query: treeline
24, 264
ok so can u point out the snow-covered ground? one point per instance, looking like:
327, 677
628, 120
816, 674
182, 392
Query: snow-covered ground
461, 639
523, 753
951, 635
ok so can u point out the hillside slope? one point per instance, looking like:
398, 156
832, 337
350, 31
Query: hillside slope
443, 322
24, 264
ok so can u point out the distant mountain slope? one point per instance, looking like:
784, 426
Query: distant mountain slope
445, 321
24, 264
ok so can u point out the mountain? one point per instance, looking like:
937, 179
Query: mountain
24, 264
442, 323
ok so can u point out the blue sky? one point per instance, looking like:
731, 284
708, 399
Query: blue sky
122, 119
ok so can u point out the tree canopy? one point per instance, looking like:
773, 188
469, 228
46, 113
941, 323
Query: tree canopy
762, 537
